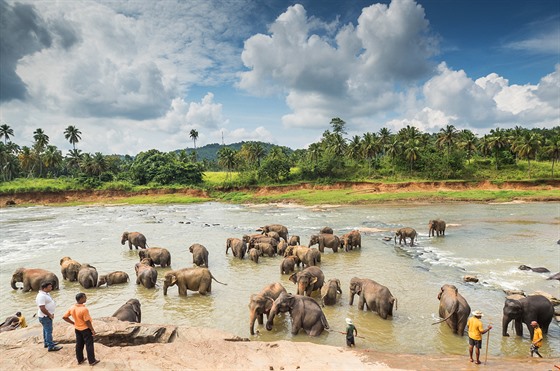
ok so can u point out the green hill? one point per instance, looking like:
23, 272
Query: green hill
210, 151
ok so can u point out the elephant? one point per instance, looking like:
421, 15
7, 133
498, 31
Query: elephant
69, 268
32, 278
330, 291
159, 256
278, 228
261, 303
524, 267
134, 238
306, 314
373, 295
532, 308
254, 254
129, 311
265, 248
281, 248
262, 239
87, 276
247, 237
555, 276
194, 279
403, 233
352, 239
113, 278
146, 274
11, 323
312, 257
200, 255
294, 240
288, 264
325, 240
326, 230
453, 308
237, 246
300, 252
308, 280
315, 253
274, 235
437, 226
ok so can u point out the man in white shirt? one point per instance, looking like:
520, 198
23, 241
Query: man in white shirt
45, 313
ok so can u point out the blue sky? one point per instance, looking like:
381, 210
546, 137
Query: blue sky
135, 75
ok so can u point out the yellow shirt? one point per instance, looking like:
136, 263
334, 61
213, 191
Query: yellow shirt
22, 321
536, 336
475, 328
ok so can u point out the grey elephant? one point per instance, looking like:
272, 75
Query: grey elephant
352, 239
555, 276
281, 248
261, 303
69, 268
294, 240
453, 308
308, 280
305, 313
436, 226
12, 322
87, 276
130, 311
146, 274
532, 308
300, 252
135, 239
524, 267
200, 255
288, 265
274, 235
237, 246
194, 279
254, 254
325, 240
404, 233
278, 228
330, 292
312, 258
265, 248
262, 239
373, 295
327, 230
32, 278
113, 278
159, 256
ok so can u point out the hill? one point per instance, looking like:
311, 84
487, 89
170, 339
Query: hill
210, 151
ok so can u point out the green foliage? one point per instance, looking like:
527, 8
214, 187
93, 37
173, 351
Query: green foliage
163, 168
274, 169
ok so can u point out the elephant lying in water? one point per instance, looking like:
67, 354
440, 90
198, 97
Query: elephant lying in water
453, 308
524, 267
32, 278
129, 311
305, 312
10, 323
261, 303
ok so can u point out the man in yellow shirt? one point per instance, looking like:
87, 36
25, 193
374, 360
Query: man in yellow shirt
22, 321
476, 330
537, 339
83, 329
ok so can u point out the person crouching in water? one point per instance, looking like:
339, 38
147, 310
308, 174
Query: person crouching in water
350, 331
476, 330
83, 329
537, 339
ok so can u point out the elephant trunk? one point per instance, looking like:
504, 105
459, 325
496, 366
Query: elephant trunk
13, 283
165, 286
351, 298
270, 318
505, 322
252, 319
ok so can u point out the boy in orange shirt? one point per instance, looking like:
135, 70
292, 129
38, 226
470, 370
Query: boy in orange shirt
83, 328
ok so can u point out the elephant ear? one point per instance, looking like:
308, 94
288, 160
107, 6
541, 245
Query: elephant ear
313, 280
293, 278
268, 304
173, 279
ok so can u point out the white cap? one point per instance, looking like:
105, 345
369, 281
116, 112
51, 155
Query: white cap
349, 321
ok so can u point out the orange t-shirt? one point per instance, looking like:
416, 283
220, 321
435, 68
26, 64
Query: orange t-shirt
80, 314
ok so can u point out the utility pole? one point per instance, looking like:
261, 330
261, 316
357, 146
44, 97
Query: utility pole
222, 137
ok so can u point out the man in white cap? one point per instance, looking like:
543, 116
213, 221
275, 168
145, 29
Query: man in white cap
350, 331
476, 330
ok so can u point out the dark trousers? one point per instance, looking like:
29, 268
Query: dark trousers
84, 337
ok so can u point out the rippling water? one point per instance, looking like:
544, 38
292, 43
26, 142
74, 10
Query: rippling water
490, 241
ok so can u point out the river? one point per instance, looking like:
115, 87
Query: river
487, 240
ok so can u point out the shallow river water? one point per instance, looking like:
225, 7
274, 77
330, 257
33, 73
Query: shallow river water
487, 240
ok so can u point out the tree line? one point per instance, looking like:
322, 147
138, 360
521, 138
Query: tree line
408, 153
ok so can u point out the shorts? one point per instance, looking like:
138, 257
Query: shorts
350, 341
476, 343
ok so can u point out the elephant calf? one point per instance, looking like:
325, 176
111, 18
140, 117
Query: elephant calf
403, 233
200, 255
288, 265
330, 292
261, 303
113, 278
145, 274
135, 239
69, 268
254, 254
129, 311
159, 256
87, 276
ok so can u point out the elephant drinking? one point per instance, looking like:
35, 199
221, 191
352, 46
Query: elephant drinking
261, 303
306, 314
32, 278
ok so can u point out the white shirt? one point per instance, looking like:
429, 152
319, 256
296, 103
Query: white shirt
44, 298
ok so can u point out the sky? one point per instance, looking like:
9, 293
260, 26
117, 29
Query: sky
141, 74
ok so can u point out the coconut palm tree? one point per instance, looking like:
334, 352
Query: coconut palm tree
53, 159
73, 159
227, 159
552, 149
496, 142
314, 152
73, 135
354, 150
447, 137
468, 142
394, 149
528, 147
255, 152
41, 139
6, 132
27, 160
338, 125
411, 151
193, 134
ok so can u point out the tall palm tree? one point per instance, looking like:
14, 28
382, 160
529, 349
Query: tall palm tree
411, 151
41, 139
552, 149
27, 160
255, 153
394, 149
73, 135
227, 159
52, 158
468, 142
447, 137
99, 164
528, 148
371, 146
73, 158
6, 132
355, 148
338, 125
314, 152
496, 142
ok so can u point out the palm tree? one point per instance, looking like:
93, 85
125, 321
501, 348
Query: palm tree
41, 139
314, 152
497, 141
552, 149
394, 149
72, 134
227, 159
371, 146
468, 142
338, 125
447, 137
99, 165
27, 160
52, 158
355, 148
193, 134
411, 151
255, 152
528, 148
6, 132
73, 158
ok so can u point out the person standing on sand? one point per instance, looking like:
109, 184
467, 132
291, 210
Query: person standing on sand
22, 321
83, 329
350, 331
537, 339
45, 313
476, 330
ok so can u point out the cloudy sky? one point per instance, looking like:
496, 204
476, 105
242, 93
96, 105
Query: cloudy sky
140, 74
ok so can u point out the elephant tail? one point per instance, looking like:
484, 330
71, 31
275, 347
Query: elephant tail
324, 321
452, 312
395, 302
214, 278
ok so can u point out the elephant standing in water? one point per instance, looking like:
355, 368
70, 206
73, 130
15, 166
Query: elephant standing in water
32, 278
278, 228
453, 308
437, 226
129, 311
69, 268
352, 239
325, 240
532, 308
261, 303
146, 274
113, 278
200, 255
87, 276
159, 256
308, 280
194, 279
134, 238
403, 233
305, 312
330, 292
374, 296
237, 246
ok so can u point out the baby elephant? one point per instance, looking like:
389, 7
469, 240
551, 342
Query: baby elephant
200, 255
159, 256
330, 292
288, 265
135, 239
129, 311
113, 278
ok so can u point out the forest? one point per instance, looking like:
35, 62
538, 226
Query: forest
409, 154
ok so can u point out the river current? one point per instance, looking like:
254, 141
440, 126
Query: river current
486, 240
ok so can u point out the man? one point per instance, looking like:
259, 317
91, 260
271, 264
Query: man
22, 321
350, 331
45, 313
537, 339
476, 330
83, 329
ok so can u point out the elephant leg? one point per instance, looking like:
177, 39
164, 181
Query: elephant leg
295, 327
260, 318
182, 289
316, 329
518, 328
